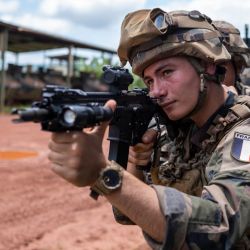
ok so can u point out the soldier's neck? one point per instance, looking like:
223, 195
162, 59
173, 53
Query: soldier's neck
216, 96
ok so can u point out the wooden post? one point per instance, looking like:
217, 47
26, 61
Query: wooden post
3, 48
70, 66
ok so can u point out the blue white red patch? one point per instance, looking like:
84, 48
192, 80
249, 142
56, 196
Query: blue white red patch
241, 147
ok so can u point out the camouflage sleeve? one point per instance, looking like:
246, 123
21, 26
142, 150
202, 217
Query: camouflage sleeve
221, 216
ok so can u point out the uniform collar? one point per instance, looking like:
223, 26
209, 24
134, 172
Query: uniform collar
200, 134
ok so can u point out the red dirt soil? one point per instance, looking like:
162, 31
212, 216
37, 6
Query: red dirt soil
41, 211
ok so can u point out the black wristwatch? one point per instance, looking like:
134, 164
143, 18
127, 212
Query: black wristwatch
109, 180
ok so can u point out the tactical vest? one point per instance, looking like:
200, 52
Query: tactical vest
242, 88
188, 174
174, 167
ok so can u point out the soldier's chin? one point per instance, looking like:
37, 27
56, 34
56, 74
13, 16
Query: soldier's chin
175, 116
179, 112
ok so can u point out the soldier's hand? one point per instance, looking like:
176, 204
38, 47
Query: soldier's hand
78, 156
140, 153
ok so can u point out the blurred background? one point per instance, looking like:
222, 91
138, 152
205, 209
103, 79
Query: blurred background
66, 42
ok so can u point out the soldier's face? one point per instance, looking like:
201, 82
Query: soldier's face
230, 75
175, 83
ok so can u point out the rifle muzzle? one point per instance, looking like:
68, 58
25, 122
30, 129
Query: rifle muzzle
31, 114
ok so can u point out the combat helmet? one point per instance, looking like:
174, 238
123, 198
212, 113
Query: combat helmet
150, 35
236, 46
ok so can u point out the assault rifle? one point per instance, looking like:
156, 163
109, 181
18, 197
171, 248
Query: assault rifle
65, 109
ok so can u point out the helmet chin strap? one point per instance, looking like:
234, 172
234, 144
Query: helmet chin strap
200, 69
201, 97
204, 78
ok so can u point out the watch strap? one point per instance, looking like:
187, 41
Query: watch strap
98, 188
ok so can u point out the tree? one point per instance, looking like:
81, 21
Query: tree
95, 65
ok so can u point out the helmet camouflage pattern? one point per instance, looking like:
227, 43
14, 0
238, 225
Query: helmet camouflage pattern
151, 35
234, 43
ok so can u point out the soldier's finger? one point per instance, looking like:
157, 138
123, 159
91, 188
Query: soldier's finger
149, 136
136, 161
59, 147
141, 147
57, 158
140, 156
67, 173
65, 137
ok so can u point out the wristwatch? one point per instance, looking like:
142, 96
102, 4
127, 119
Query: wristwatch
109, 180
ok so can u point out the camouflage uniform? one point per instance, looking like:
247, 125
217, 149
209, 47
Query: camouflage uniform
242, 88
239, 51
206, 164
201, 176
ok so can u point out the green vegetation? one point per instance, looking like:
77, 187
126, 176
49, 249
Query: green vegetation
95, 65
137, 83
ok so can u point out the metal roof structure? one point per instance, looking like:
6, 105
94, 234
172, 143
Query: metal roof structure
22, 39
65, 57
18, 39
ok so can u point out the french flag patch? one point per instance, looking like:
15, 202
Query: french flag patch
241, 147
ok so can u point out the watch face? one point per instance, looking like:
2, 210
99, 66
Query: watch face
111, 179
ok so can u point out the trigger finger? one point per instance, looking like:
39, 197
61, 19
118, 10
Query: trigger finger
140, 155
142, 147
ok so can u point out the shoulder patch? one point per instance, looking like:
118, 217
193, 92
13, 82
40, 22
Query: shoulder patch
241, 147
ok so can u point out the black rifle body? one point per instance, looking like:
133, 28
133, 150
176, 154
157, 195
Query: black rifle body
129, 122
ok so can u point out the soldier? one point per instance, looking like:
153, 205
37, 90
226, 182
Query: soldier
240, 59
178, 55
240, 54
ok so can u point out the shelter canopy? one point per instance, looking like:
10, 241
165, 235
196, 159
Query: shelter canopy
65, 57
19, 39
22, 39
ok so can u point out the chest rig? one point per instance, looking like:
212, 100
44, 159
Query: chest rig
176, 164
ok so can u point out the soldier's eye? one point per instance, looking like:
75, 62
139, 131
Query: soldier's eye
167, 72
148, 82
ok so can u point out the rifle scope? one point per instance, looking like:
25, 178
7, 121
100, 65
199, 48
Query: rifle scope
117, 78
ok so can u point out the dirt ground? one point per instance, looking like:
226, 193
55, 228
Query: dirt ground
40, 211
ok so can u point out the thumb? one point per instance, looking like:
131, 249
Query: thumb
149, 136
100, 130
